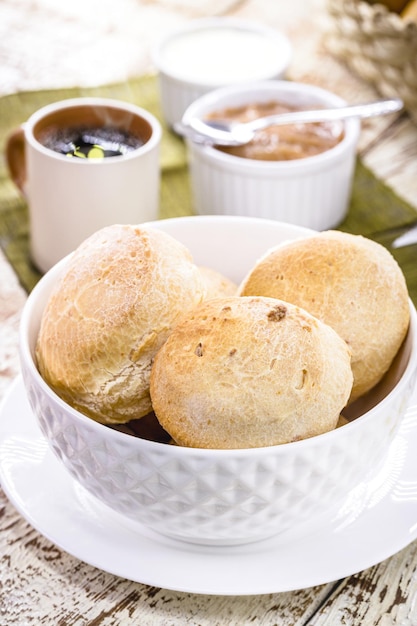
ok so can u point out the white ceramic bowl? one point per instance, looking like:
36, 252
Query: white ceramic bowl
212, 52
218, 496
313, 192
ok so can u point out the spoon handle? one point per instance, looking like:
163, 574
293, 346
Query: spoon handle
370, 109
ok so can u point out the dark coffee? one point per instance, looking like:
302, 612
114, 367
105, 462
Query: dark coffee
87, 142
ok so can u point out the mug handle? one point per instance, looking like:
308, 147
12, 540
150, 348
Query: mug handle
16, 158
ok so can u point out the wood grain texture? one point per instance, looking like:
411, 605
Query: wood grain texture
384, 595
12, 298
394, 157
40, 584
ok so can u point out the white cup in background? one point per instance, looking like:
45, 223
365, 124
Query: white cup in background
213, 52
70, 198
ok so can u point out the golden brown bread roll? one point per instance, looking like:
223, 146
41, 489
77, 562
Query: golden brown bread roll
409, 12
216, 284
249, 372
122, 292
349, 282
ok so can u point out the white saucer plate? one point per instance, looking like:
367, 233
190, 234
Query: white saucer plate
377, 520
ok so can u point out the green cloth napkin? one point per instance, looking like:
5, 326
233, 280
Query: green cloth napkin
375, 210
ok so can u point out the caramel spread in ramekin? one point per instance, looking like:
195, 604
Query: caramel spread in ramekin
280, 143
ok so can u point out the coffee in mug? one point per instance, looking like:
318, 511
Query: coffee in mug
87, 142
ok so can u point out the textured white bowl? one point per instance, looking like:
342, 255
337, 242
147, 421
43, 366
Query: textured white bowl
313, 192
218, 496
180, 84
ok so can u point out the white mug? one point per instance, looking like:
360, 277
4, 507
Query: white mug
71, 198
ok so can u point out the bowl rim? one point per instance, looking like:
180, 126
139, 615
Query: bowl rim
227, 22
218, 98
27, 356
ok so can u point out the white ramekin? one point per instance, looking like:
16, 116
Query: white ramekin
180, 85
313, 192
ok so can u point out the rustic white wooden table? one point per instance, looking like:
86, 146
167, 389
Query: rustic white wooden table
47, 44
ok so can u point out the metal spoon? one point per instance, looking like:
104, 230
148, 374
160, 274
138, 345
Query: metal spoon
227, 133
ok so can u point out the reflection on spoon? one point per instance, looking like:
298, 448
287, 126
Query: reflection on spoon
227, 133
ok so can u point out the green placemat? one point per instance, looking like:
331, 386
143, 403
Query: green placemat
375, 210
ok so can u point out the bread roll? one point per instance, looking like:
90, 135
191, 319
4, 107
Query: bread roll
122, 292
409, 11
216, 284
349, 282
249, 372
